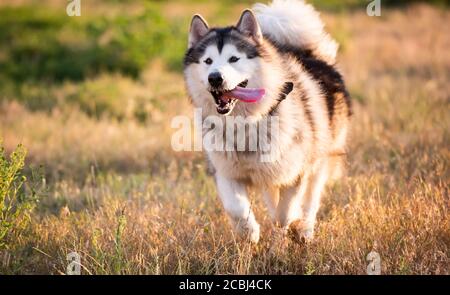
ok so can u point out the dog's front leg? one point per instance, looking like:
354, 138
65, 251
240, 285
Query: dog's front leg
235, 202
271, 198
299, 204
289, 209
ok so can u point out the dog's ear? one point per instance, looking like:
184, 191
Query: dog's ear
199, 28
248, 25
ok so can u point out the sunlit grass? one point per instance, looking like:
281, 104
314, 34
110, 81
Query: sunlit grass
118, 195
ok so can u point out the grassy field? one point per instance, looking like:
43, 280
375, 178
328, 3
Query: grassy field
91, 100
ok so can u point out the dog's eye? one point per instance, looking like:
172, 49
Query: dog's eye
233, 59
208, 61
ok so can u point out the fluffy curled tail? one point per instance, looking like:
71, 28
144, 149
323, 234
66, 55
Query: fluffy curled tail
295, 23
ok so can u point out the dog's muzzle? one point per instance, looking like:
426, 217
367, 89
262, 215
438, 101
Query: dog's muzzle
224, 104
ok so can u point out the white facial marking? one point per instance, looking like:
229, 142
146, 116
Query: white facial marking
233, 73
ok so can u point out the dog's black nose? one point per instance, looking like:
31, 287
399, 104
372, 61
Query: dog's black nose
215, 79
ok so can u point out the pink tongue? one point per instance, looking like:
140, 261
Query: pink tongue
245, 94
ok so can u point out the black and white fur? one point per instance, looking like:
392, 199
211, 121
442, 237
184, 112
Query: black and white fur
278, 46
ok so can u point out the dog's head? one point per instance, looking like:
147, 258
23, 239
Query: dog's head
224, 66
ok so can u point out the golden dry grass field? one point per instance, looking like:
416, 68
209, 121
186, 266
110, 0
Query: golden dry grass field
113, 190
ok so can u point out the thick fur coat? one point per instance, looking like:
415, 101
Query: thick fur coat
283, 49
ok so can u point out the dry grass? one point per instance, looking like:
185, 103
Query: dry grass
118, 195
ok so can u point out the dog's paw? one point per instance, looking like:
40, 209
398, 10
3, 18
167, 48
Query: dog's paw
254, 235
250, 231
300, 233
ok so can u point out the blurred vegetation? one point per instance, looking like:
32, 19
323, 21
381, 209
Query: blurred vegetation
47, 45
43, 48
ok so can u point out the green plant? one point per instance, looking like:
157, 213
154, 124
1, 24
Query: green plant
119, 258
15, 203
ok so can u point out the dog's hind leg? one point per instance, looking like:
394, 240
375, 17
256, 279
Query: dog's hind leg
236, 203
311, 200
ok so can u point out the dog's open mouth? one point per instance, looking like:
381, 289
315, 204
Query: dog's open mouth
226, 99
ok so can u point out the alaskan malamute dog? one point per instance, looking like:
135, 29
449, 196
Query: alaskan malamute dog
277, 61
